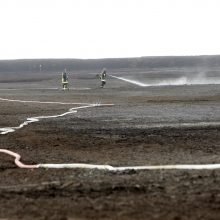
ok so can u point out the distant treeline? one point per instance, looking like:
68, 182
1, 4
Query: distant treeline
35, 65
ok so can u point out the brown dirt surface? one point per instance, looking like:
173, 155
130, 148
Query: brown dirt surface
144, 127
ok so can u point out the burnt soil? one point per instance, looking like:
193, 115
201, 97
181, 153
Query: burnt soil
144, 127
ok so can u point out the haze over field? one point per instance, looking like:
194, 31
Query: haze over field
178, 63
199, 79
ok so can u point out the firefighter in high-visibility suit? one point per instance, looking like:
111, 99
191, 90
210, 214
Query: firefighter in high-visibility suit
65, 82
102, 77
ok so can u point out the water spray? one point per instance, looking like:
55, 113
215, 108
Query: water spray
130, 81
196, 80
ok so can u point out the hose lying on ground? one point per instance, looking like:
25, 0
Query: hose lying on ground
36, 119
108, 167
88, 166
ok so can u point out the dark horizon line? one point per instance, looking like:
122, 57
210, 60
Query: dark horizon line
110, 58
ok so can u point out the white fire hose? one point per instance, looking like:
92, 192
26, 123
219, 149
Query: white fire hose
88, 166
108, 167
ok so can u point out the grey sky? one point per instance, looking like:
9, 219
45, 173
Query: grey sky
108, 28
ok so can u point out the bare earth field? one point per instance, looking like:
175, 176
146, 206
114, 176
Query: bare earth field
153, 125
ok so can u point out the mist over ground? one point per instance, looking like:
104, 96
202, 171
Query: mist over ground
196, 62
194, 79
143, 71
